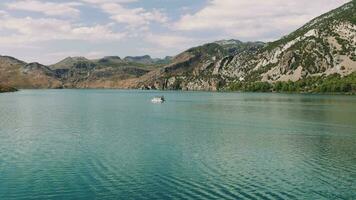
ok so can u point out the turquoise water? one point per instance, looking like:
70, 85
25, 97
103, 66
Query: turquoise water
112, 144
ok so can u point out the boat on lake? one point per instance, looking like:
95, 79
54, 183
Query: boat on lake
160, 99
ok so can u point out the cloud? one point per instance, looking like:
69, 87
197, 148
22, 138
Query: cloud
171, 40
132, 17
29, 30
3, 13
255, 19
56, 56
55, 26
47, 8
108, 1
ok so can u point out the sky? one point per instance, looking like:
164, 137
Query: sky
47, 31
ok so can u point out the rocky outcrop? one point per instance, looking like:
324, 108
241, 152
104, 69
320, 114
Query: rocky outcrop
322, 47
198, 68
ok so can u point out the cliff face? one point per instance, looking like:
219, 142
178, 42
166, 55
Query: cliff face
322, 47
198, 68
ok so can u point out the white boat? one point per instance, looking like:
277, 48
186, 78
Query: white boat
158, 99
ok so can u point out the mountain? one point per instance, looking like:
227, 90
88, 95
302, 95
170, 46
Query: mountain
234, 47
318, 57
19, 74
110, 60
71, 62
323, 47
140, 59
147, 60
72, 72
195, 69
107, 72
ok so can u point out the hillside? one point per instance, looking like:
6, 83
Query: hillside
73, 72
318, 55
18, 74
147, 60
197, 68
323, 47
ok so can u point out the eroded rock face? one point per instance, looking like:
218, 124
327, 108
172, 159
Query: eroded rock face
200, 68
324, 46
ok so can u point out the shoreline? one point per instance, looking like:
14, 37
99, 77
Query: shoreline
6, 89
192, 91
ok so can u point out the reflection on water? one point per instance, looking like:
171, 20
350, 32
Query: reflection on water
110, 144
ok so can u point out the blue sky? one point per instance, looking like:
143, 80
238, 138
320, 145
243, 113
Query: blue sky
50, 30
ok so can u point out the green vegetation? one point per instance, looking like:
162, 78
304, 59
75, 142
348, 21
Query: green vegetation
321, 84
4, 88
208, 49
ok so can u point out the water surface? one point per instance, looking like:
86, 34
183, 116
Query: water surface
112, 144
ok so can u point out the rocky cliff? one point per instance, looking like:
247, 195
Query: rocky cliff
322, 47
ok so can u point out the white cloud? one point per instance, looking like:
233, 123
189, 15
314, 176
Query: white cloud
47, 8
255, 19
145, 30
56, 56
3, 13
108, 1
29, 30
133, 17
171, 40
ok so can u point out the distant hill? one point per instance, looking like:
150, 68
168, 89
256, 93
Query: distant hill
73, 72
18, 74
147, 60
71, 62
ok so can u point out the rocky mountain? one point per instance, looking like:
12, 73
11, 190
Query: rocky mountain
72, 72
147, 60
319, 56
234, 47
322, 47
19, 74
71, 62
195, 69
107, 72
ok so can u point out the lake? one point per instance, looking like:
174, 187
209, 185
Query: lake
115, 144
